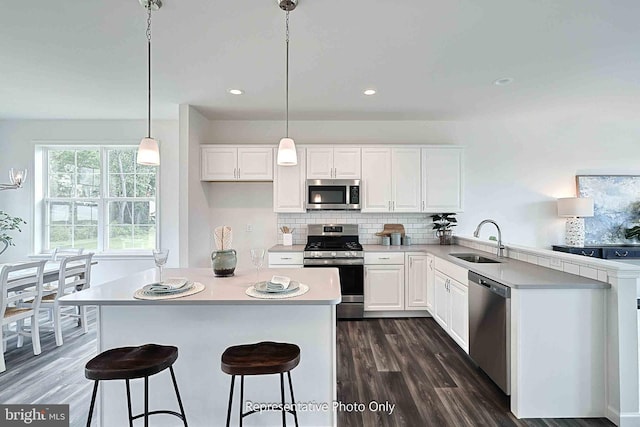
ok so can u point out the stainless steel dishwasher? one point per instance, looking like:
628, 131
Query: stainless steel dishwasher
489, 328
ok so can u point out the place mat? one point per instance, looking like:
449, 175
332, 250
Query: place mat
303, 289
197, 287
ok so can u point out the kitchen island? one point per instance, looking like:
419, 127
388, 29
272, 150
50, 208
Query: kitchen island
202, 326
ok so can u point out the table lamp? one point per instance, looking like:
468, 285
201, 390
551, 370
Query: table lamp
575, 209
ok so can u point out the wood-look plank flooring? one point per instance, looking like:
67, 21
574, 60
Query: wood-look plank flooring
416, 365
409, 362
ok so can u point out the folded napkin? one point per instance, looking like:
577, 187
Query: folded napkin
174, 284
278, 283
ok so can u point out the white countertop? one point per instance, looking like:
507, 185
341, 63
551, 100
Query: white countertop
324, 288
283, 248
510, 272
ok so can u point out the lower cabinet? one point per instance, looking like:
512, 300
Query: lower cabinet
383, 287
451, 308
416, 275
285, 259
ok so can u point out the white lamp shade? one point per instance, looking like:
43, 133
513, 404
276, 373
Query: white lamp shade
287, 155
575, 207
148, 152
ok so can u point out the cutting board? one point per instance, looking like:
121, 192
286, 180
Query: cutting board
391, 228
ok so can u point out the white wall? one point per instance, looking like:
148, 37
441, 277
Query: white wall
515, 168
17, 140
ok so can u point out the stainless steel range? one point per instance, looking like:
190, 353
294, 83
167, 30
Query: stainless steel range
337, 245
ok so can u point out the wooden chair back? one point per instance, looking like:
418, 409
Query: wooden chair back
75, 274
23, 288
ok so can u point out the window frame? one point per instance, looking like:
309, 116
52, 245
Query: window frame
43, 201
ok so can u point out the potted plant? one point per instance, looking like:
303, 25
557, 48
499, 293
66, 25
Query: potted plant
8, 223
443, 224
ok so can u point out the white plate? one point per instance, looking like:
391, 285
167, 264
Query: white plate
262, 287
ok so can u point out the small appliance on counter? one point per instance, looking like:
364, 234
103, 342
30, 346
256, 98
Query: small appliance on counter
337, 245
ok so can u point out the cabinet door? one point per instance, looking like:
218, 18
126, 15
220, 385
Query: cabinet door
405, 170
255, 163
320, 162
441, 300
218, 163
459, 326
430, 282
346, 162
383, 287
375, 188
442, 179
416, 285
289, 186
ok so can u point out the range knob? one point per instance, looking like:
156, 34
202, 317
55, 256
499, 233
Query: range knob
353, 253
316, 254
348, 254
333, 254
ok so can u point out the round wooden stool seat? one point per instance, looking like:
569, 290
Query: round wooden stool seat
260, 359
127, 363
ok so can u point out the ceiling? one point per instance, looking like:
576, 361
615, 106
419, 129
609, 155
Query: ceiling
429, 60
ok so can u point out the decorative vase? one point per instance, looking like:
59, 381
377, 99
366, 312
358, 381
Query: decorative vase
446, 237
224, 262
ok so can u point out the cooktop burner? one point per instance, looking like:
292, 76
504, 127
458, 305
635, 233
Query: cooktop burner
333, 241
330, 246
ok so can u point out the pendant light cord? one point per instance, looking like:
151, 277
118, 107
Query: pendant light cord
149, 3
287, 73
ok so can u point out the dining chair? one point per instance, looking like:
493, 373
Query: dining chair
74, 275
59, 253
20, 299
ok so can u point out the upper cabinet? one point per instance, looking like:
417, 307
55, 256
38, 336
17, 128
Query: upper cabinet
333, 162
289, 185
442, 179
389, 181
236, 163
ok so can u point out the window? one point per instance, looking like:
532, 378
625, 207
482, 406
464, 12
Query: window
98, 198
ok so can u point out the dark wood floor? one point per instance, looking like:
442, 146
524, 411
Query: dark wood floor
414, 364
411, 363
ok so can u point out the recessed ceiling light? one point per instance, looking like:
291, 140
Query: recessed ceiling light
369, 92
236, 91
503, 81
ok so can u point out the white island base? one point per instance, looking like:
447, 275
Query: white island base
202, 326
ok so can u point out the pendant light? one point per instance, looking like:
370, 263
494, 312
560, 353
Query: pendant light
287, 155
148, 151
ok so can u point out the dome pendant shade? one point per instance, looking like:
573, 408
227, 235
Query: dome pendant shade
287, 155
148, 152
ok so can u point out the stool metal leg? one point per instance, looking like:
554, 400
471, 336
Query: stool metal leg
129, 404
284, 413
293, 400
175, 386
93, 401
233, 380
146, 401
241, 396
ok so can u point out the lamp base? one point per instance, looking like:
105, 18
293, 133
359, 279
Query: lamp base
574, 232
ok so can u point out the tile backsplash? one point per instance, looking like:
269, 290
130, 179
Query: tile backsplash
417, 226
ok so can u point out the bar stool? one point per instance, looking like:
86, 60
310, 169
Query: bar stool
264, 358
127, 363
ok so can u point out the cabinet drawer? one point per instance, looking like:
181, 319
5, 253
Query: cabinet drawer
454, 271
620, 253
396, 258
279, 258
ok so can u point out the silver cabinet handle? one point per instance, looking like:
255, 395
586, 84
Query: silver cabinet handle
622, 254
384, 257
238, 173
423, 205
410, 262
389, 205
234, 173
335, 172
285, 257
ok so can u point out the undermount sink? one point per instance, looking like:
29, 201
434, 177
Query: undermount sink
479, 259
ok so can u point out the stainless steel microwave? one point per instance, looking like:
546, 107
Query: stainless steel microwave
333, 194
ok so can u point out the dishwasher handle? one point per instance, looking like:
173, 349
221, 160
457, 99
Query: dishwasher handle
491, 285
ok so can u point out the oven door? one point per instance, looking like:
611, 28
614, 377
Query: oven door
351, 287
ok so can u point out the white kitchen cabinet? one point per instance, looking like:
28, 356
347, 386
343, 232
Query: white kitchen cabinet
289, 185
233, 163
390, 179
285, 259
383, 287
431, 270
333, 162
442, 179
451, 308
416, 266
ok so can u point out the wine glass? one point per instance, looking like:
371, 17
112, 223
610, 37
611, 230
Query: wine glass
257, 258
160, 257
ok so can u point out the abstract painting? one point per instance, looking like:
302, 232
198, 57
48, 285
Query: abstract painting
616, 200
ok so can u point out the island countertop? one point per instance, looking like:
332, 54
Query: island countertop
324, 288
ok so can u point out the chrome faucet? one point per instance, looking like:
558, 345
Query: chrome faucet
500, 251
